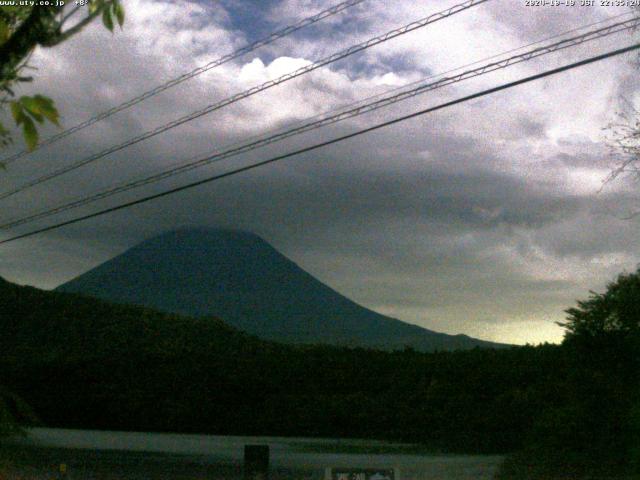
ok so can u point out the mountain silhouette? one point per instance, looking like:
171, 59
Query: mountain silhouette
240, 278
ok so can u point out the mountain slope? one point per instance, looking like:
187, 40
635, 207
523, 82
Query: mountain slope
240, 278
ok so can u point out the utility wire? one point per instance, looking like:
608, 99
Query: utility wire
405, 86
193, 73
262, 163
364, 100
328, 120
252, 91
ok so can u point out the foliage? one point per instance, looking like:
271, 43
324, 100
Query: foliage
22, 29
27, 109
624, 142
568, 411
8, 424
13, 412
617, 311
595, 431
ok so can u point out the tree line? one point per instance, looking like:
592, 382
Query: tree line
572, 409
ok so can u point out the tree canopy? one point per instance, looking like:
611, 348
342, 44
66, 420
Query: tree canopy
616, 311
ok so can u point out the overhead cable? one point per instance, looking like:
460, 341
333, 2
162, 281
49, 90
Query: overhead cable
316, 146
247, 93
328, 120
288, 30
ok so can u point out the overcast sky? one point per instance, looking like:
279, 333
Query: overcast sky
487, 218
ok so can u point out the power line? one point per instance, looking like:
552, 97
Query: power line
252, 91
421, 81
236, 171
288, 30
328, 120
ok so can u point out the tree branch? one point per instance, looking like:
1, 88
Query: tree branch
77, 28
66, 17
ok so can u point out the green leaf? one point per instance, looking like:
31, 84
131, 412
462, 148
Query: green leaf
4, 31
47, 108
45, 102
5, 140
94, 6
36, 116
32, 106
16, 111
107, 19
30, 133
119, 11
11, 10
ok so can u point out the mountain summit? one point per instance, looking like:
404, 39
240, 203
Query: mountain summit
239, 277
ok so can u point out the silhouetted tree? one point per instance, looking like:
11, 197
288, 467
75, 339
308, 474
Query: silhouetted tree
603, 332
615, 312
